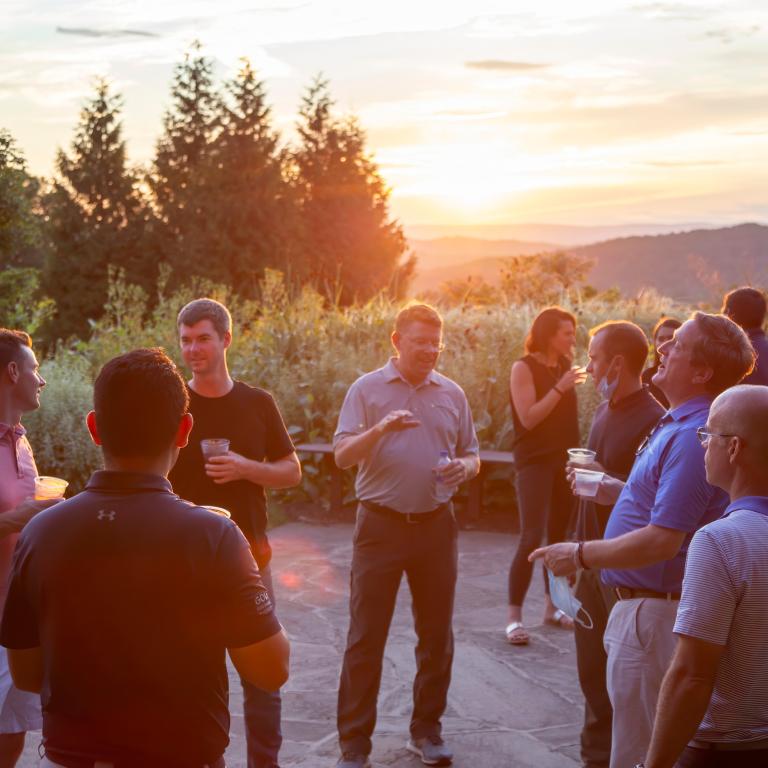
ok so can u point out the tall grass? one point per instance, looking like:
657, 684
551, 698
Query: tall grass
307, 355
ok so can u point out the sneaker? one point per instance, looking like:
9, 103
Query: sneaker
431, 750
353, 760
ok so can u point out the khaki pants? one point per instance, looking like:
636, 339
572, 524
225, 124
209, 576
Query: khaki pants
639, 641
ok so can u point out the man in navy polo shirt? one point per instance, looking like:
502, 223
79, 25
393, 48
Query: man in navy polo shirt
123, 599
713, 706
665, 499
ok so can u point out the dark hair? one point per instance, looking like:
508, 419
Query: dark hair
745, 306
11, 343
206, 309
139, 399
545, 326
723, 347
417, 313
665, 322
626, 339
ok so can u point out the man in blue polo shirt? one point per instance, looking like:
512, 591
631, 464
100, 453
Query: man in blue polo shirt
713, 705
124, 598
665, 499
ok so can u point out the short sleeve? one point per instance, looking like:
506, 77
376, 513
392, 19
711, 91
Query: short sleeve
467, 437
279, 443
683, 495
352, 417
709, 598
19, 628
241, 603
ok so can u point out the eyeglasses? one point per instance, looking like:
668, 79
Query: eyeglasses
704, 436
421, 343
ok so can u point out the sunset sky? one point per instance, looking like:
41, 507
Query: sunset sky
490, 111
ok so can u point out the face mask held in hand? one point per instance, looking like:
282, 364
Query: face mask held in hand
564, 599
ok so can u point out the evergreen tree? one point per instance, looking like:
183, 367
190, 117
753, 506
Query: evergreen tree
21, 240
250, 203
351, 249
96, 218
182, 160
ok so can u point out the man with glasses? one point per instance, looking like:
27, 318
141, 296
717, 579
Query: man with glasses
665, 500
713, 706
397, 424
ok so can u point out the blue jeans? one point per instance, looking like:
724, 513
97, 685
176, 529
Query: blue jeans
261, 712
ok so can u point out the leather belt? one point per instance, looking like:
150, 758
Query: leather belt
731, 746
405, 517
629, 593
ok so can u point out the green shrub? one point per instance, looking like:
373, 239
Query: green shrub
307, 355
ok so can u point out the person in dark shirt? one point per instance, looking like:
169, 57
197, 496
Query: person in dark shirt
546, 424
260, 456
662, 333
628, 412
747, 308
124, 598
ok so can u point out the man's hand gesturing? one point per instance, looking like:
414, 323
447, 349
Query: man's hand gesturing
396, 421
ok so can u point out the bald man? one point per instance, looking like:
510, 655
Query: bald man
713, 706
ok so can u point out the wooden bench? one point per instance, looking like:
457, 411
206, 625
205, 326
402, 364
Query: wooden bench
474, 491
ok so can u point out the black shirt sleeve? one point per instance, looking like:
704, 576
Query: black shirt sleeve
279, 443
242, 605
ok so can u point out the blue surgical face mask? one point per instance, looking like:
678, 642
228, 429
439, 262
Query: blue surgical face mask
562, 597
605, 388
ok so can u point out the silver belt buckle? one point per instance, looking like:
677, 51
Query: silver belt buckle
411, 519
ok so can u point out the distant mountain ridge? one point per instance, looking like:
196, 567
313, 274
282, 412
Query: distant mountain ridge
688, 266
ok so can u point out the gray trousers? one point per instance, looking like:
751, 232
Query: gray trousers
384, 549
640, 641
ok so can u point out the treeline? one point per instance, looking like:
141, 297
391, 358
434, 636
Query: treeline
224, 199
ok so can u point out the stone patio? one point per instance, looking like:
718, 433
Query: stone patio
509, 707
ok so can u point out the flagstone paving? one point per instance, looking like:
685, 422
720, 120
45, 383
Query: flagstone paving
509, 707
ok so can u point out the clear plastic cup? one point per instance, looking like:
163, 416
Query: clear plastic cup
218, 510
214, 446
587, 483
49, 488
581, 455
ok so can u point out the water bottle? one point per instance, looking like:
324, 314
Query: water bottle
443, 492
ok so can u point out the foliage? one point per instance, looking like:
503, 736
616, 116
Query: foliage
543, 277
352, 249
308, 354
21, 239
20, 304
96, 218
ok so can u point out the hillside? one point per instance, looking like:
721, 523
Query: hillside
689, 266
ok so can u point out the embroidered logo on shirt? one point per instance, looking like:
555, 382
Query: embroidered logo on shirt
106, 515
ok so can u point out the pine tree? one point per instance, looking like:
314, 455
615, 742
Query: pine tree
96, 218
250, 203
21, 240
352, 248
182, 160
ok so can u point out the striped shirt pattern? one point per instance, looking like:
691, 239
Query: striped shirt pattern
725, 602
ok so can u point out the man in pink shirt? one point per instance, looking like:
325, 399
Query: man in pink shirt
20, 385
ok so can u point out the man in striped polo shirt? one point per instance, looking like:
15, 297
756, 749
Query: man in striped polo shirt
713, 706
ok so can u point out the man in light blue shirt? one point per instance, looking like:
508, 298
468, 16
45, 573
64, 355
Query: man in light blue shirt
713, 705
665, 499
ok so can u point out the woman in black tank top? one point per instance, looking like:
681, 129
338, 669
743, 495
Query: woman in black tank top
546, 423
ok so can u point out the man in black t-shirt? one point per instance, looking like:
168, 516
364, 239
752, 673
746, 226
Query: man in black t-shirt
123, 599
617, 353
260, 456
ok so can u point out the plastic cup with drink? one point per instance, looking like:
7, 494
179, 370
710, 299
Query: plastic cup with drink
586, 482
47, 488
214, 446
581, 456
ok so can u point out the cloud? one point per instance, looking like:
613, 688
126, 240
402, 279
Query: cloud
730, 35
670, 11
90, 32
503, 65
683, 163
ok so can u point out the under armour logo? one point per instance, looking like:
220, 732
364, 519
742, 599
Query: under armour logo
106, 515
